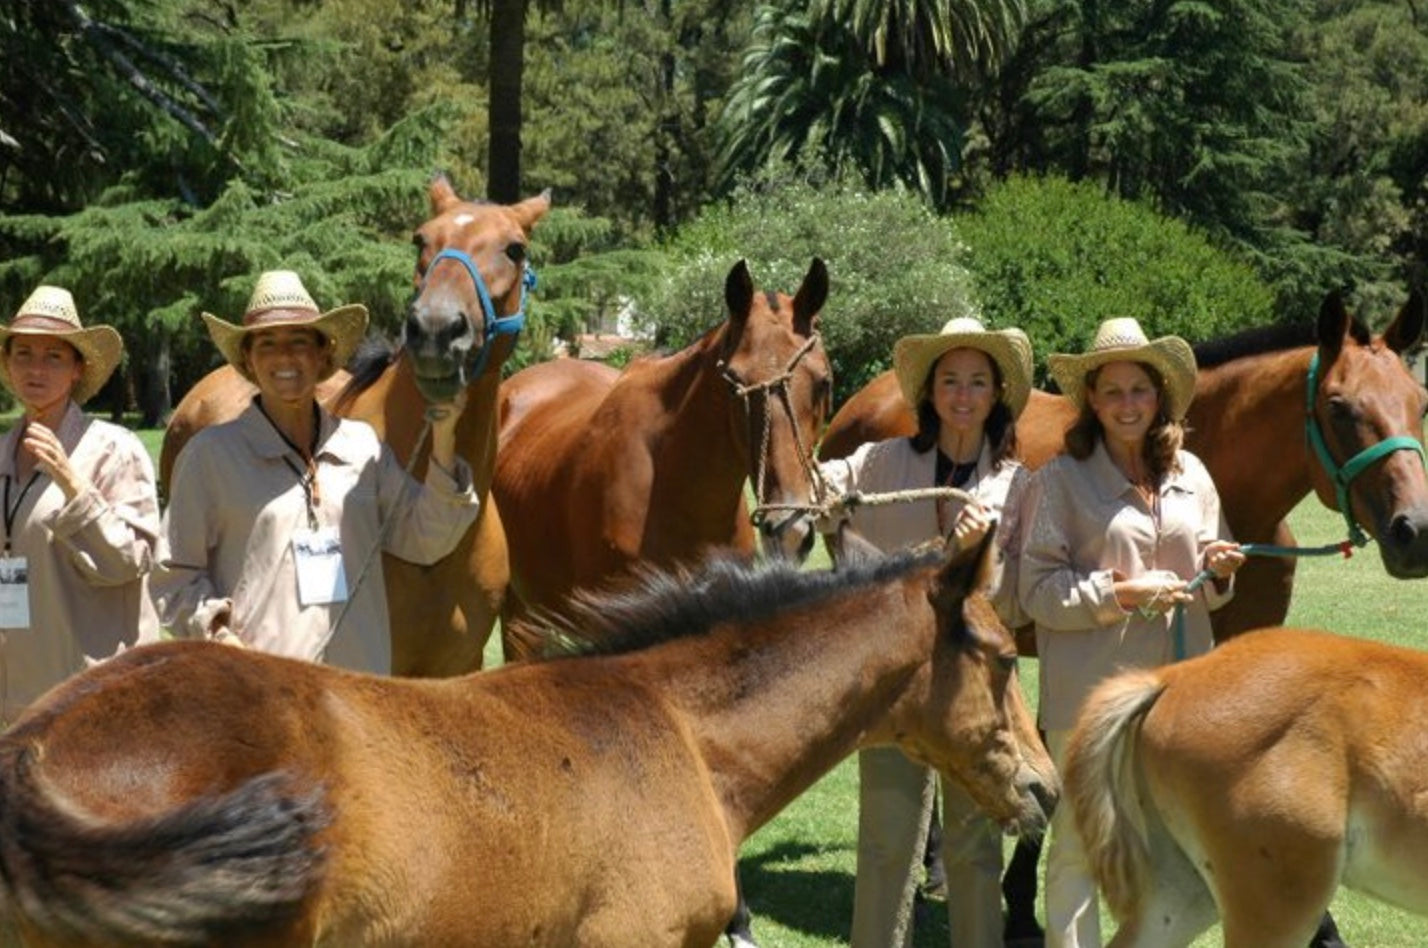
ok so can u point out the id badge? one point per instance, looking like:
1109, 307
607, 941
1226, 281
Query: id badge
321, 578
14, 592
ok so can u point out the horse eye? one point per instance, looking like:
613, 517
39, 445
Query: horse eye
517, 252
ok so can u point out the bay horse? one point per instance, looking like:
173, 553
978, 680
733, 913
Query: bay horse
1248, 424
1250, 783
471, 279
649, 464
190, 793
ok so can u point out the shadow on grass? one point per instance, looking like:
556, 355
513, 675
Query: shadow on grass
778, 885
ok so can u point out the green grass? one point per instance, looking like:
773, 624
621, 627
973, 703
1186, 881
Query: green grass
798, 870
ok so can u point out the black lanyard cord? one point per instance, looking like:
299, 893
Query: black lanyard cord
12, 512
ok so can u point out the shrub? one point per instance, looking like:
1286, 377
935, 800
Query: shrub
1056, 258
894, 267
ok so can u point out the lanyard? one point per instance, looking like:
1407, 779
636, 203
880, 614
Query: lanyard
12, 512
307, 479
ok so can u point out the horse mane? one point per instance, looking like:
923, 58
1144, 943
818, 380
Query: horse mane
655, 605
374, 354
1259, 340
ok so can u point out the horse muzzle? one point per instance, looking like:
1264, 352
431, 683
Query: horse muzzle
1403, 544
789, 537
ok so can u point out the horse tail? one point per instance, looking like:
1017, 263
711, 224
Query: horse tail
235, 865
1101, 782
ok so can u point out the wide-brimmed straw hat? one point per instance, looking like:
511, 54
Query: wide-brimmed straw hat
50, 311
1010, 349
280, 299
1122, 340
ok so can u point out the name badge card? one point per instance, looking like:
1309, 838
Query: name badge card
321, 577
14, 592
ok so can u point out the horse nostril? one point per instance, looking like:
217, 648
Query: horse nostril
411, 329
1402, 530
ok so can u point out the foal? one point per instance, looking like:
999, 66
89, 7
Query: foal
1249, 783
190, 793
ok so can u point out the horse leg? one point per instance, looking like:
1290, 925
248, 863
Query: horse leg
1178, 907
739, 930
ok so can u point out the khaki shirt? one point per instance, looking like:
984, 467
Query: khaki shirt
235, 505
894, 465
1084, 520
87, 559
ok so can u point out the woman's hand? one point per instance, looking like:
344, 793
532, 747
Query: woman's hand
1153, 593
1223, 557
972, 523
44, 446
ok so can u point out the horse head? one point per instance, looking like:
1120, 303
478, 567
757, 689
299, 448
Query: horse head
974, 725
471, 279
1365, 426
774, 361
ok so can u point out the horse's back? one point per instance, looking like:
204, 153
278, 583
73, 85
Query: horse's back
556, 392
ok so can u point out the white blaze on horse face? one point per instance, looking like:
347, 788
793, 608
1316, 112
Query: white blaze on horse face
461, 220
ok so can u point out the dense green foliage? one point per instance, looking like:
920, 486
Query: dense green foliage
1055, 258
153, 153
893, 266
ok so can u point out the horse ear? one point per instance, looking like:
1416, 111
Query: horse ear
811, 297
1403, 333
739, 292
969, 569
441, 193
1333, 326
532, 209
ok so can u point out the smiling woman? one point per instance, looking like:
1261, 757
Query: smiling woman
275, 517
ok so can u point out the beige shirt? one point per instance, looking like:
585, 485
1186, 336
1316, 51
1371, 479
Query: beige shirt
87, 559
236, 505
1084, 520
894, 465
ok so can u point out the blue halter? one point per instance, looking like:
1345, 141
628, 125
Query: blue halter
1354, 466
495, 325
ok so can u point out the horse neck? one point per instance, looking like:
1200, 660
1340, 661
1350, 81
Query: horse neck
772, 708
699, 468
394, 406
1247, 424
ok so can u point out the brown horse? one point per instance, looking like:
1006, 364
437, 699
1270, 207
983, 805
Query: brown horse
470, 280
1250, 783
649, 465
1247, 423
148, 802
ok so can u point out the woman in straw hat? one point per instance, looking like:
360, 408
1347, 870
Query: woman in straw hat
1116, 528
81, 514
967, 385
275, 518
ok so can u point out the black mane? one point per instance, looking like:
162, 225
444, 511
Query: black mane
1260, 340
660, 606
367, 364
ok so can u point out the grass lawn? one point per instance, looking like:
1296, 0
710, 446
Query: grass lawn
798, 870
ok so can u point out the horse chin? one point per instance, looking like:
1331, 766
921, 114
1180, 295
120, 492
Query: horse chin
438, 380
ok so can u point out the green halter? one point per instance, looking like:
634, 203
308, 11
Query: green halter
1354, 466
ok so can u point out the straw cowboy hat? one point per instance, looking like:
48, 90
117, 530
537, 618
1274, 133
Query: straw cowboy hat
1010, 349
280, 299
1122, 340
50, 311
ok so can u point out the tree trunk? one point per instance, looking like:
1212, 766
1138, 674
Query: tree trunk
153, 394
508, 41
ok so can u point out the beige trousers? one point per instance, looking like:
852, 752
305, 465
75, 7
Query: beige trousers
894, 800
1073, 917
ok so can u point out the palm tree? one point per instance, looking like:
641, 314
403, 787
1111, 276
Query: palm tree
877, 86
